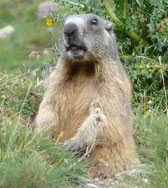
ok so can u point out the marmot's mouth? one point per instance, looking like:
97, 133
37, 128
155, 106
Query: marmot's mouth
75, 48
76, 51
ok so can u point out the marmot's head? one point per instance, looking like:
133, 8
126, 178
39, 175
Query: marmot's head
87, 37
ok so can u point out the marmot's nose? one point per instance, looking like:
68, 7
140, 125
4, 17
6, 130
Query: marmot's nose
70, 30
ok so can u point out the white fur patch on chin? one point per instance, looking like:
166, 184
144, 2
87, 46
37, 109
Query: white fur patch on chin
77, 21
79, 55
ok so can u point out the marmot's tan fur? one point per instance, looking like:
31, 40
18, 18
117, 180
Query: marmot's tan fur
88, 97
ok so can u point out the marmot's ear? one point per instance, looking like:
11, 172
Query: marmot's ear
109, 27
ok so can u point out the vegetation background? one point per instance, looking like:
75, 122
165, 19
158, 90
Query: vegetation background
28, 159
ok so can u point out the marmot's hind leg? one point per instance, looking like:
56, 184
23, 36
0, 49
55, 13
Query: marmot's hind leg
106, 162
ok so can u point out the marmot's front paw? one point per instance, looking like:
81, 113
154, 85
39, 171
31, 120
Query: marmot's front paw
74, 144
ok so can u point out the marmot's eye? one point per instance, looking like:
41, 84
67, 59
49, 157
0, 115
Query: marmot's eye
94, 21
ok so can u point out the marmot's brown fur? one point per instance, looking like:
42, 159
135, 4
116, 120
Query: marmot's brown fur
88, 97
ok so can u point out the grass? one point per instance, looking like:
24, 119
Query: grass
152, 140
27, 158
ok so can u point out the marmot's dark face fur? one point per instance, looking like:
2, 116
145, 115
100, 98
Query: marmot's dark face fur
87, 37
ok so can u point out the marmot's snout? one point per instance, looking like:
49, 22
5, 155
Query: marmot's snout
70, 33
74, 46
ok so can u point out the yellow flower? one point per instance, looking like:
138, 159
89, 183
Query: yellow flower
50, 22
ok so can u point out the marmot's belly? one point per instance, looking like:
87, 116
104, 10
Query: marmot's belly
73, 110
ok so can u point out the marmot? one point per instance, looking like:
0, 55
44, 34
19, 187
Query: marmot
88, 101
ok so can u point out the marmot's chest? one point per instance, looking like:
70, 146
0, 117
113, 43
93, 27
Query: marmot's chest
73, 105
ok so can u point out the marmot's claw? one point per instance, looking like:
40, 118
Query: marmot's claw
73, 145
